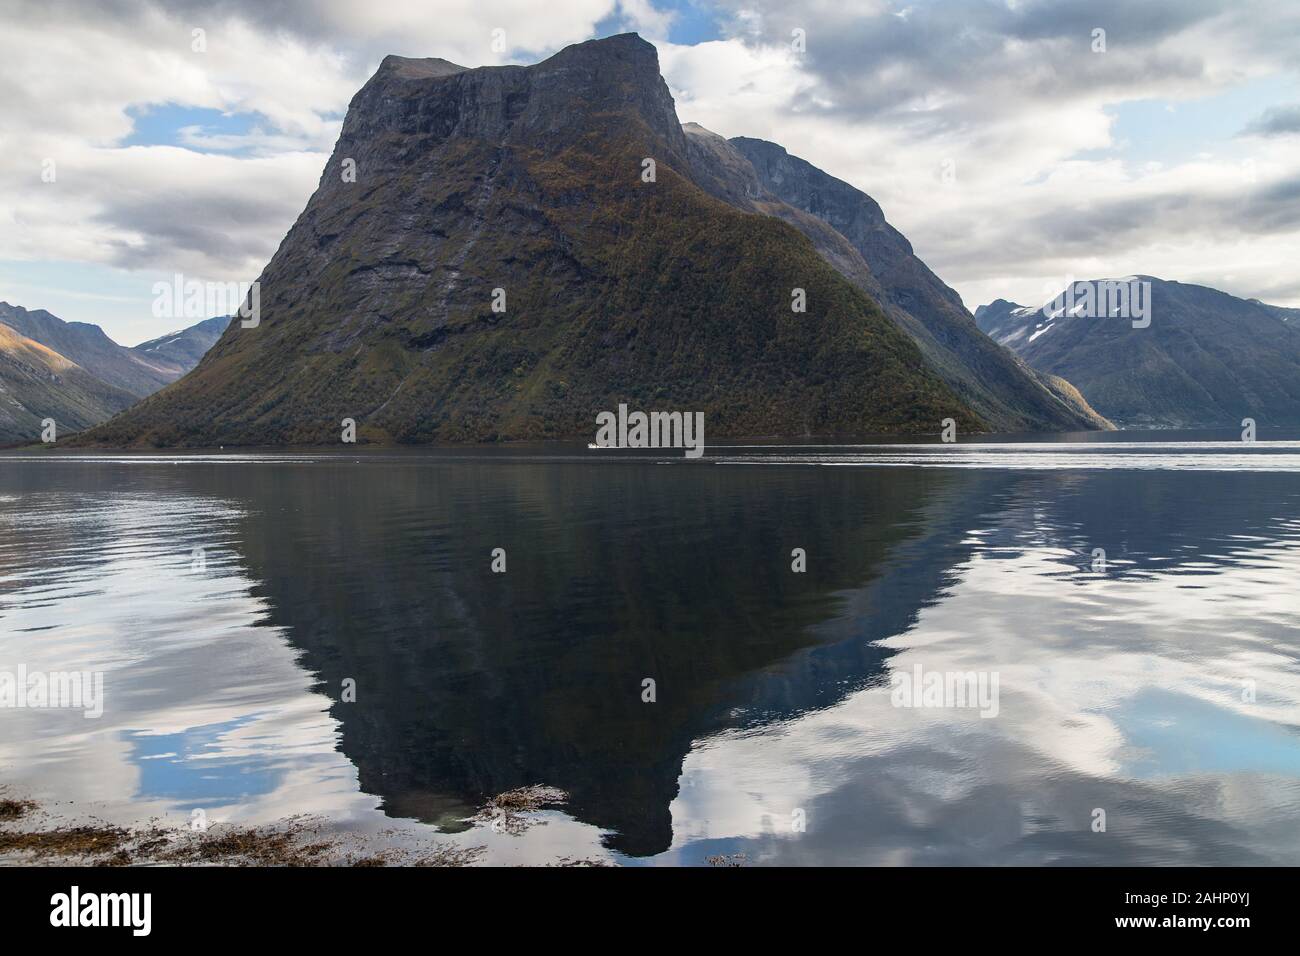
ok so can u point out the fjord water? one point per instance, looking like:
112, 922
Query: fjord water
1163, 688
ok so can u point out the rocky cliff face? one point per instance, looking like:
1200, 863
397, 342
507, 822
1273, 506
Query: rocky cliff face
1206, 358
721, 170
379, 304
1001, 389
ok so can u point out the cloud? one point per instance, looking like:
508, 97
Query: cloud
362, 32
77, 78
887, 96
1276, 121
641, 16
940, 62
1012, 98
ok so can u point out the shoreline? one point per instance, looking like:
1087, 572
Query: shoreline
34, 834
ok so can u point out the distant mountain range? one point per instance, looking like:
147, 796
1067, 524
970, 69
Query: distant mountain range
1206, 359
75, 374
37, 383
631, 268
182, 350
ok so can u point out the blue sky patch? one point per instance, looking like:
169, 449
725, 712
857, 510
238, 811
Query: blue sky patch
161, 125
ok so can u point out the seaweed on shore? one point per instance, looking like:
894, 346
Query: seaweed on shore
80, 841
509, 812
295, 841
14, 809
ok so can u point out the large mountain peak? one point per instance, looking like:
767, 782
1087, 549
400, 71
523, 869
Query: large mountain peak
549, 105
488, 257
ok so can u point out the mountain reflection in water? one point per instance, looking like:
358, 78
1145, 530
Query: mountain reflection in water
1121, 689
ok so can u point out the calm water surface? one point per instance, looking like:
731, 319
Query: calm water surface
1123, 689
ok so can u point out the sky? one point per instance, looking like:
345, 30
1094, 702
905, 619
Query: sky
1019, 144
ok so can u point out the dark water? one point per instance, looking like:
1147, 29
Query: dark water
1163, 688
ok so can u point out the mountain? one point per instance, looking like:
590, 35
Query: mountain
849, 228
182, 350
378, 305
1206, 359
1009, 323
89, 347
39, 380
37, 383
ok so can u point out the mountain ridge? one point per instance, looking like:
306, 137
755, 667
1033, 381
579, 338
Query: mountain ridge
1001, 388
89, 347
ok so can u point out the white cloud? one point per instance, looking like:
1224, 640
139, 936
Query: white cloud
71, 74
1014, 100
642, 17
1017, 104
